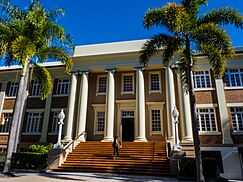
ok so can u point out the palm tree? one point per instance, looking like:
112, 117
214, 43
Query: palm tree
187, 31
29, 37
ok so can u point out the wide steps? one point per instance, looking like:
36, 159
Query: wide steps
147, 158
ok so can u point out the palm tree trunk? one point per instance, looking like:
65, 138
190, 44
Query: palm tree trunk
21, 113
196, 139
14, 124
200, 177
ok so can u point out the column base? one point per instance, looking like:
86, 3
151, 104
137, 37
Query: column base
140, 139
227, 141
107, 139
81, 139
67, 139
42, 140
187, 140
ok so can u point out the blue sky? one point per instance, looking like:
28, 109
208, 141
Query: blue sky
101, 21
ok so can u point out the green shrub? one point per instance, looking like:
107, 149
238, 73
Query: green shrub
43, 149
188, 167
29, 160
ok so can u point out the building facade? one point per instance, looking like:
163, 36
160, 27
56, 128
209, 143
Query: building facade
109, 93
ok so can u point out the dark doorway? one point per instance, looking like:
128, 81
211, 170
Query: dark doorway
128, 129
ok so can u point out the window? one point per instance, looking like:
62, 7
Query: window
237, 119
156, 120
101, 84
34, 121
36, 88
7, 119
202, 79
234, 77
127, 114
100, 124
154, 82
206, 119
63, 87
127, 81
13, 89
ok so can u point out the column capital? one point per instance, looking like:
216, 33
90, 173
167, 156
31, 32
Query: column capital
141, 68
111, 69
80, 72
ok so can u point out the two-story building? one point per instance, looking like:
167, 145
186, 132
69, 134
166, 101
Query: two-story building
109, 93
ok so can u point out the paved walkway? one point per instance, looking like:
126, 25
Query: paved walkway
72, 177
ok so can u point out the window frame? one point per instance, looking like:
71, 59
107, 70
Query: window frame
4, 125
36, 85
155, 106
205, 79
12, 88
98, 84
39, 123
210, 121
98, 108
58, 91
234, 113
228, 74
122, 84
150, 82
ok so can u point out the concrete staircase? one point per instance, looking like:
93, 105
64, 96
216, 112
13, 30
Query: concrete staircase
148, 158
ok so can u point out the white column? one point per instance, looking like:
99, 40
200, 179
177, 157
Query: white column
110, 106
70, 109
170, 101
223, 112
83, 102
46, 118
185, 113
140, 106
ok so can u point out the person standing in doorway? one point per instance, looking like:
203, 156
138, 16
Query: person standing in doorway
117, 144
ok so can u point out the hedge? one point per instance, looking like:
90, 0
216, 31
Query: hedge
29, 160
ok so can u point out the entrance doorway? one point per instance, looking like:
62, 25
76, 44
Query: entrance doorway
127, 125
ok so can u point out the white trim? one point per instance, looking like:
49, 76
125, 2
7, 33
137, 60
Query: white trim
27, 133
199, 106
7, 111
160, 83
33, 97
209, 133
235, 104
233, 88
122, 84
64, 95
14, 97
97, 84
35, 110
204, 89
98, 108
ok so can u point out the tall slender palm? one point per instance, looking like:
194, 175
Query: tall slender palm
188, 31
29, 37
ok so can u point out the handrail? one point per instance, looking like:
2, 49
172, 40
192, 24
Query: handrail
61, 157
76, 138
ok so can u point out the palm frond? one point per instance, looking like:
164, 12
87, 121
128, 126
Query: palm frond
22, 49
213, 35
164, 43
43, 76
172, 16
10, 10
57, 54
216, 44
55, 14
223, 16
